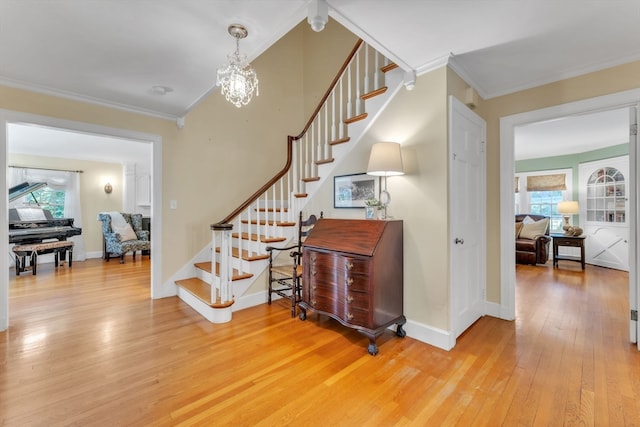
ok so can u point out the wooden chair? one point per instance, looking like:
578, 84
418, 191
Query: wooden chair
284, 279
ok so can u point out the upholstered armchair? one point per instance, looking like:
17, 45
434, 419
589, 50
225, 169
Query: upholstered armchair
532, 240
123, 233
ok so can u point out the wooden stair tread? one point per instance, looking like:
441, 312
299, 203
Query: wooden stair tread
245, 255
373, 93
273, 210
340, 141
355, 119
311, 179
206, 266
270, 222
389, 67
324, 161
255, 238
202, 290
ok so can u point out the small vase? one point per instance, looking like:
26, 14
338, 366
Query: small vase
370, 212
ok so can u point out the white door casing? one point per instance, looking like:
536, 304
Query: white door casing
629, 99
603, 186
157, 288
634, 111
467, 202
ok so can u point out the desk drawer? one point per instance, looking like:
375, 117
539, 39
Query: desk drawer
562, 241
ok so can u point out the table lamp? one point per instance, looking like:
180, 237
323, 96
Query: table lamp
385, 160
568, 208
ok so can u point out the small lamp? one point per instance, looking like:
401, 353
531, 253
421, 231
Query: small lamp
567, 208
385, 160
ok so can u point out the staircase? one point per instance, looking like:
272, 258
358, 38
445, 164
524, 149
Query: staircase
360, 91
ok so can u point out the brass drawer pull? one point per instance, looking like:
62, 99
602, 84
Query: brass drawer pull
349, 316
349, 266
349, 281
349, 299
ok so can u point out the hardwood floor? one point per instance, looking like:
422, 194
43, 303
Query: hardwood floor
87, 347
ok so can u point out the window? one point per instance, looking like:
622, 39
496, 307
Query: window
546, 203
49, 199
539, 192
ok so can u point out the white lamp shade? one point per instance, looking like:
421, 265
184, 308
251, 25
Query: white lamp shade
385, 159
568, 207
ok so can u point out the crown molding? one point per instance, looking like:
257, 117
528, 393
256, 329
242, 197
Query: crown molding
83, 98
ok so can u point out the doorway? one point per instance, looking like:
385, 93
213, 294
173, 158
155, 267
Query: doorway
629, 99
9, 117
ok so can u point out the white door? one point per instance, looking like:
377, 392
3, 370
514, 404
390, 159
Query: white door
467, 203
604, 211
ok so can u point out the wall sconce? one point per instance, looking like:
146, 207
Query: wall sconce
108, 188
385, 160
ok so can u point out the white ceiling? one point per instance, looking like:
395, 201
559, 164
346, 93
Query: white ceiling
51, 142
113, 52
572, 135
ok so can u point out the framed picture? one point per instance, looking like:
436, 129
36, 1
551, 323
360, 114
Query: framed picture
350, 191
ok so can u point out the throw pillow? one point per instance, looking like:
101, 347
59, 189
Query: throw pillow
126, 233
535, 229
528, 220
518, 228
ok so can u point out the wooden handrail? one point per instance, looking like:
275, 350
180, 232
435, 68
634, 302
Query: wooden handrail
290, 141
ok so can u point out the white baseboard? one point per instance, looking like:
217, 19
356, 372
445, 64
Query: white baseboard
430, 335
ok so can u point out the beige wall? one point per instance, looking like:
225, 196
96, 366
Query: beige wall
324, 54
612, 80
93, 197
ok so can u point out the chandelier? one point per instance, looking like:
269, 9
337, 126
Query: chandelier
237, 79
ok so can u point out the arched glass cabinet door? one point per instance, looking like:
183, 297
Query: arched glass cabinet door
606, 196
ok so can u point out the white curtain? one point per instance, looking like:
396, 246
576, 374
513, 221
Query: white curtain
67, 181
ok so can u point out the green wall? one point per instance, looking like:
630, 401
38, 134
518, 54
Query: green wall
571, 161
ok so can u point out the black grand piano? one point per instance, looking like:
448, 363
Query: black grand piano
35, 224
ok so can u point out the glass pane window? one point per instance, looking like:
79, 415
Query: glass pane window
546, 203
49, 199
606, 196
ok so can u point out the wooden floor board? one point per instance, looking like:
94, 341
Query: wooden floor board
87, 346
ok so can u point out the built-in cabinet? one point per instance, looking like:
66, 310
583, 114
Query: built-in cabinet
603, 199
606, 196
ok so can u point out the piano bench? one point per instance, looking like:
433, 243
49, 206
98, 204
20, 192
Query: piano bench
33, 250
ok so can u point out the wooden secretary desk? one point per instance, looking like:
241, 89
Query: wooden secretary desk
353, 272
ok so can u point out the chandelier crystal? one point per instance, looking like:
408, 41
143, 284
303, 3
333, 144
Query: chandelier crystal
237, 80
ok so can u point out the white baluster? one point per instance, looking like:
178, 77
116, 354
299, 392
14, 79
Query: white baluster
319, 144
376, 72
358, 84
366, 68
333, 114
274, 217
349, 103
325, 142
341, 101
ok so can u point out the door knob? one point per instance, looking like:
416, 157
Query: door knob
458, 241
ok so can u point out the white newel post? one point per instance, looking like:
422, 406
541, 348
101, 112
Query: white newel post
222, 287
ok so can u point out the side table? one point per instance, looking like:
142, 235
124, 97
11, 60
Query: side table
571, 241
